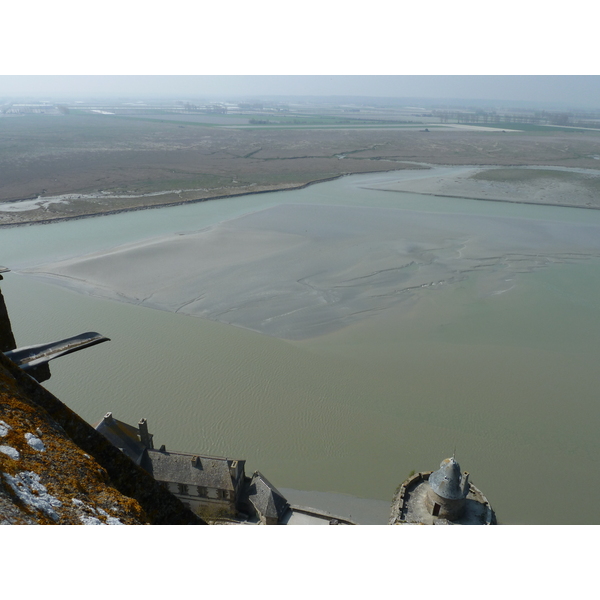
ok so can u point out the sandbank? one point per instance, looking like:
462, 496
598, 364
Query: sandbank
296, 271
552, 186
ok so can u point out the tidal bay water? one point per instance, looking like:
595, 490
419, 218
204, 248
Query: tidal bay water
497, 364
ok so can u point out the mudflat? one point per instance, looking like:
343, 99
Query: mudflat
296, 271
525, 185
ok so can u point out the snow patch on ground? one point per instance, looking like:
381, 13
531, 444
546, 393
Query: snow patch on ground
4, 427
10, 451
31, 492
35, 442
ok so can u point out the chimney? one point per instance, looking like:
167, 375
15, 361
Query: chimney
233, 469
145, 437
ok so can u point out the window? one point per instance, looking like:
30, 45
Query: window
224, 494
202, 491
182, 488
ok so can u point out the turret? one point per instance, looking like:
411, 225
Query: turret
448, 489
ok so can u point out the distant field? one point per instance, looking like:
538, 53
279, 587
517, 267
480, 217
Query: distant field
47, 156
270, 121
529, 127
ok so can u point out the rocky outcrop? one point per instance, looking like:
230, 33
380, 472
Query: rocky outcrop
56, 469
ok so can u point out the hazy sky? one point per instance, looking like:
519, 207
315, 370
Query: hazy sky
407, 49
574, 90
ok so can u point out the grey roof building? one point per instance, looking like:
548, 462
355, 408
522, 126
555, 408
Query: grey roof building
209, 485
267, 501
125, 437
442, 497
448, 490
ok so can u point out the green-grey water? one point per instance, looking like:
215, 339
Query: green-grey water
498, 366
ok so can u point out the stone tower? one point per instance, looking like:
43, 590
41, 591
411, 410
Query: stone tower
442, 497
448, 490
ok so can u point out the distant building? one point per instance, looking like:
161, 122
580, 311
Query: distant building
442, 497
208, 485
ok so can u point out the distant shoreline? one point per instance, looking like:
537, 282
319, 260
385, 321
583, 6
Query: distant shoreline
458, 188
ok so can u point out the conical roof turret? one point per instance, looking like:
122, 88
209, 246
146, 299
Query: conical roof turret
447, 481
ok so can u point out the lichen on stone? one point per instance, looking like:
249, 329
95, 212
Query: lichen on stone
31, 492
35, 442
10, 451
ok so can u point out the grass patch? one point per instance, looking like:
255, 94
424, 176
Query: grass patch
195, 181
590, 182
172, 122
526, 175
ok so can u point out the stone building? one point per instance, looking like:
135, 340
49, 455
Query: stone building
211, 486
265, 501
215, 488
442, 497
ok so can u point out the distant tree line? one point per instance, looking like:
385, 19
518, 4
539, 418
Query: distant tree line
213, 108
540, 117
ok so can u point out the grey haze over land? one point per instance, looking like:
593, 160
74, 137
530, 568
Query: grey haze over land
577, 91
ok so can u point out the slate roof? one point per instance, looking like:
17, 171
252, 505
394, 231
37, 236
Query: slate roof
173, 467
447, 480
190, 469
266, 498
123, 436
